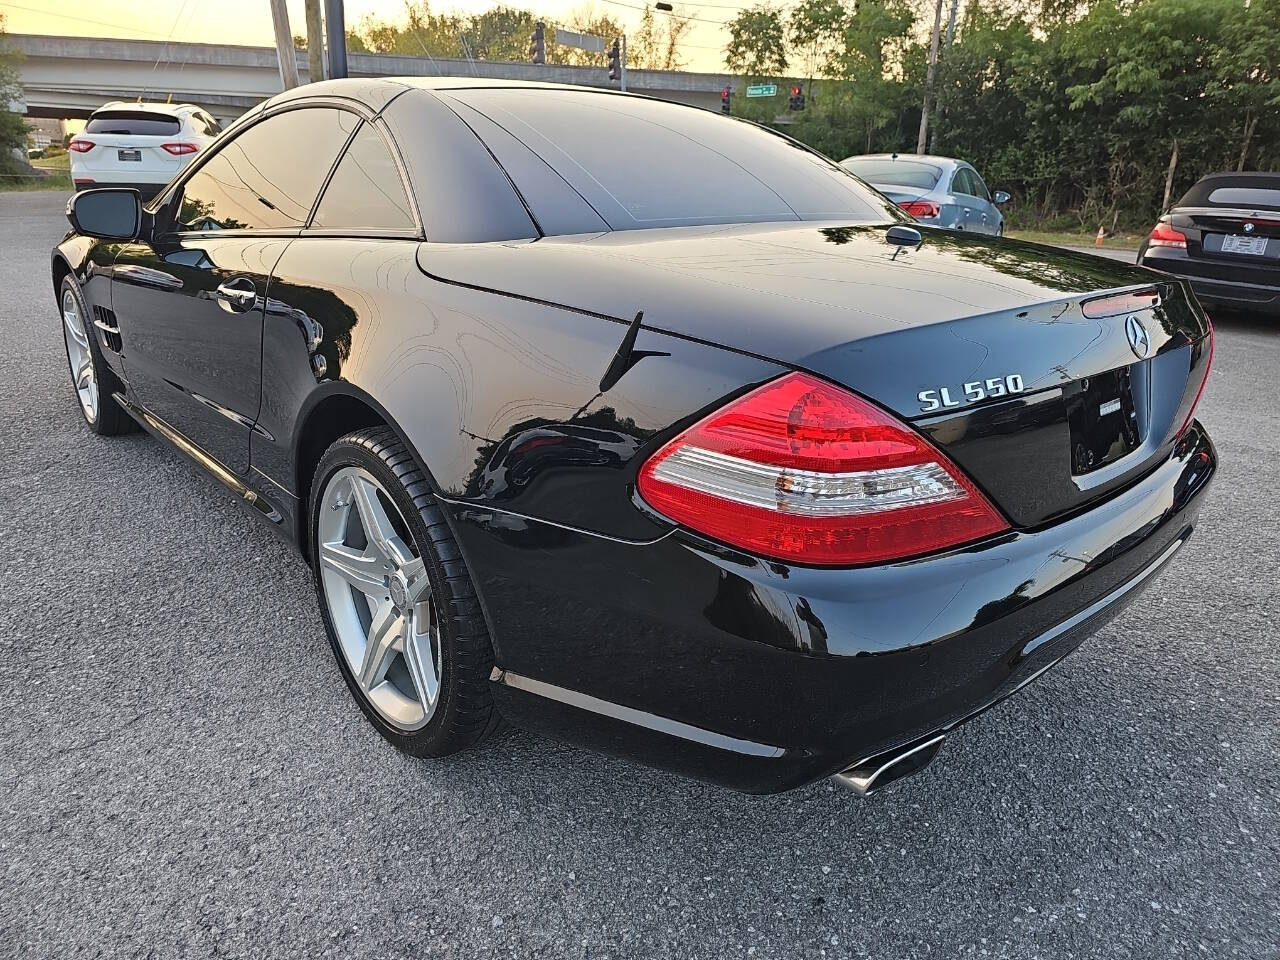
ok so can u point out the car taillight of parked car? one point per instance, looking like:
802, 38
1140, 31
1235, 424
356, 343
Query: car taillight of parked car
1164, 235
921, 209
804, 471
179, 149
80, 146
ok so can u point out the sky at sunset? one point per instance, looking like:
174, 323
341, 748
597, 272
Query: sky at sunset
248, 22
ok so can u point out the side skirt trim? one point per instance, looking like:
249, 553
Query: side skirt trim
211, 466
630, 715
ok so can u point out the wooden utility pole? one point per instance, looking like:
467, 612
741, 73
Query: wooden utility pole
928, 82
315, 42
946, 69
284, 45
1168, 180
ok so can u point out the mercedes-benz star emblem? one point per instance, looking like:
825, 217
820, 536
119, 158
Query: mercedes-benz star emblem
1138, 339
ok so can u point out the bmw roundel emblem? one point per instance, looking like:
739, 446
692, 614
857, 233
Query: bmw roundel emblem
1137, 334
1248, 228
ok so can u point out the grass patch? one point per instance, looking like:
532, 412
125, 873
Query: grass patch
62, 162
1121, 241
57, 176
56, 181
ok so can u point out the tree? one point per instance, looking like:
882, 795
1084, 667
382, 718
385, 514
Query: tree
1154, 62
1246, 84
655, 45
499, 33
868, 64
13, 132
815, 29
757, 43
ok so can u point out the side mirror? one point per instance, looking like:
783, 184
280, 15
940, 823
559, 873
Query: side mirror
1001, 197
111, 213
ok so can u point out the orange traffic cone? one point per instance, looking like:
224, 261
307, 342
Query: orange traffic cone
1102, 232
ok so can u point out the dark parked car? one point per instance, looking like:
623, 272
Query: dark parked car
643, 426
1224, 237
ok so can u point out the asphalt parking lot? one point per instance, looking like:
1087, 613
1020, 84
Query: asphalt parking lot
183, 774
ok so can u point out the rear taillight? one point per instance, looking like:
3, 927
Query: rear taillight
921, 209
1164, 235
80, 146
803, 471
178, 149
1204, 382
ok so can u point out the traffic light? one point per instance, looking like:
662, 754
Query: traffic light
538, 44
724, 100
615, 61
797, 98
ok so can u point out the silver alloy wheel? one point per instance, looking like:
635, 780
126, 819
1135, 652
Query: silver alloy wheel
80, 356
379, 599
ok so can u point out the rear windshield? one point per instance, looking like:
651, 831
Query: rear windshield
1253, 192
642, 163
906, 173
135, 123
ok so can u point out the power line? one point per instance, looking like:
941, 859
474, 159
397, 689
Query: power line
721, 6
67, 16
633, 6
164, 53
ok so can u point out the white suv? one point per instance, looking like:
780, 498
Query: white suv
141, 145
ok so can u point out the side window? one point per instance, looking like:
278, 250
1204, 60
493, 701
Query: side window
963, 183
268, 177
212, 126
979, 188
366, 192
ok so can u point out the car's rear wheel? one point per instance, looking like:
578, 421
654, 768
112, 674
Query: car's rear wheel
91, 378
397, 600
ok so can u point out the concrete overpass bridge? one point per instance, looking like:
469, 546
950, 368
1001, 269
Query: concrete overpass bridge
69, 77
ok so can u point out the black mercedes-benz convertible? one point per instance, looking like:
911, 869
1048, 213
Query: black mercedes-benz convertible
642, 426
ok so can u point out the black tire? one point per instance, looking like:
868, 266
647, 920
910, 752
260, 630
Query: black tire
465, 713
111, 419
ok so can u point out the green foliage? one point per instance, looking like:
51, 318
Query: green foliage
757, 42
500, 33
1077, 108
656, 45
13, 132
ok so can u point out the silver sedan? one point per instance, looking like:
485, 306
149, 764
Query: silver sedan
941, 191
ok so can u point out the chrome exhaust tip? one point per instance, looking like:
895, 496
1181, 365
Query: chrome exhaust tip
876, 773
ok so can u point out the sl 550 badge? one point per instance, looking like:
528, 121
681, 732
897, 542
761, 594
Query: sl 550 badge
973, 391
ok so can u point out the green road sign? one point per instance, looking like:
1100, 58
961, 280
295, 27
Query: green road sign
762, 90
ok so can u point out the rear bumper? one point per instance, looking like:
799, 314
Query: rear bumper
1214, 291
147, 190
762, 677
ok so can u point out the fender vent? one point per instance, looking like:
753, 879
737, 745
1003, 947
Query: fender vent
105, 321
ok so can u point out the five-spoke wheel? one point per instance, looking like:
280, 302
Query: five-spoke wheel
79, 355
379, 598
397, 601
91, 376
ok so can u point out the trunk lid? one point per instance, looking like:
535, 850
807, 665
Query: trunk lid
1045, 407
900, 194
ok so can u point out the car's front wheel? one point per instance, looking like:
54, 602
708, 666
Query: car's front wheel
91, 378
397, 601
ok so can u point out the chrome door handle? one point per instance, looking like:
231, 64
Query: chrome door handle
237, 296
